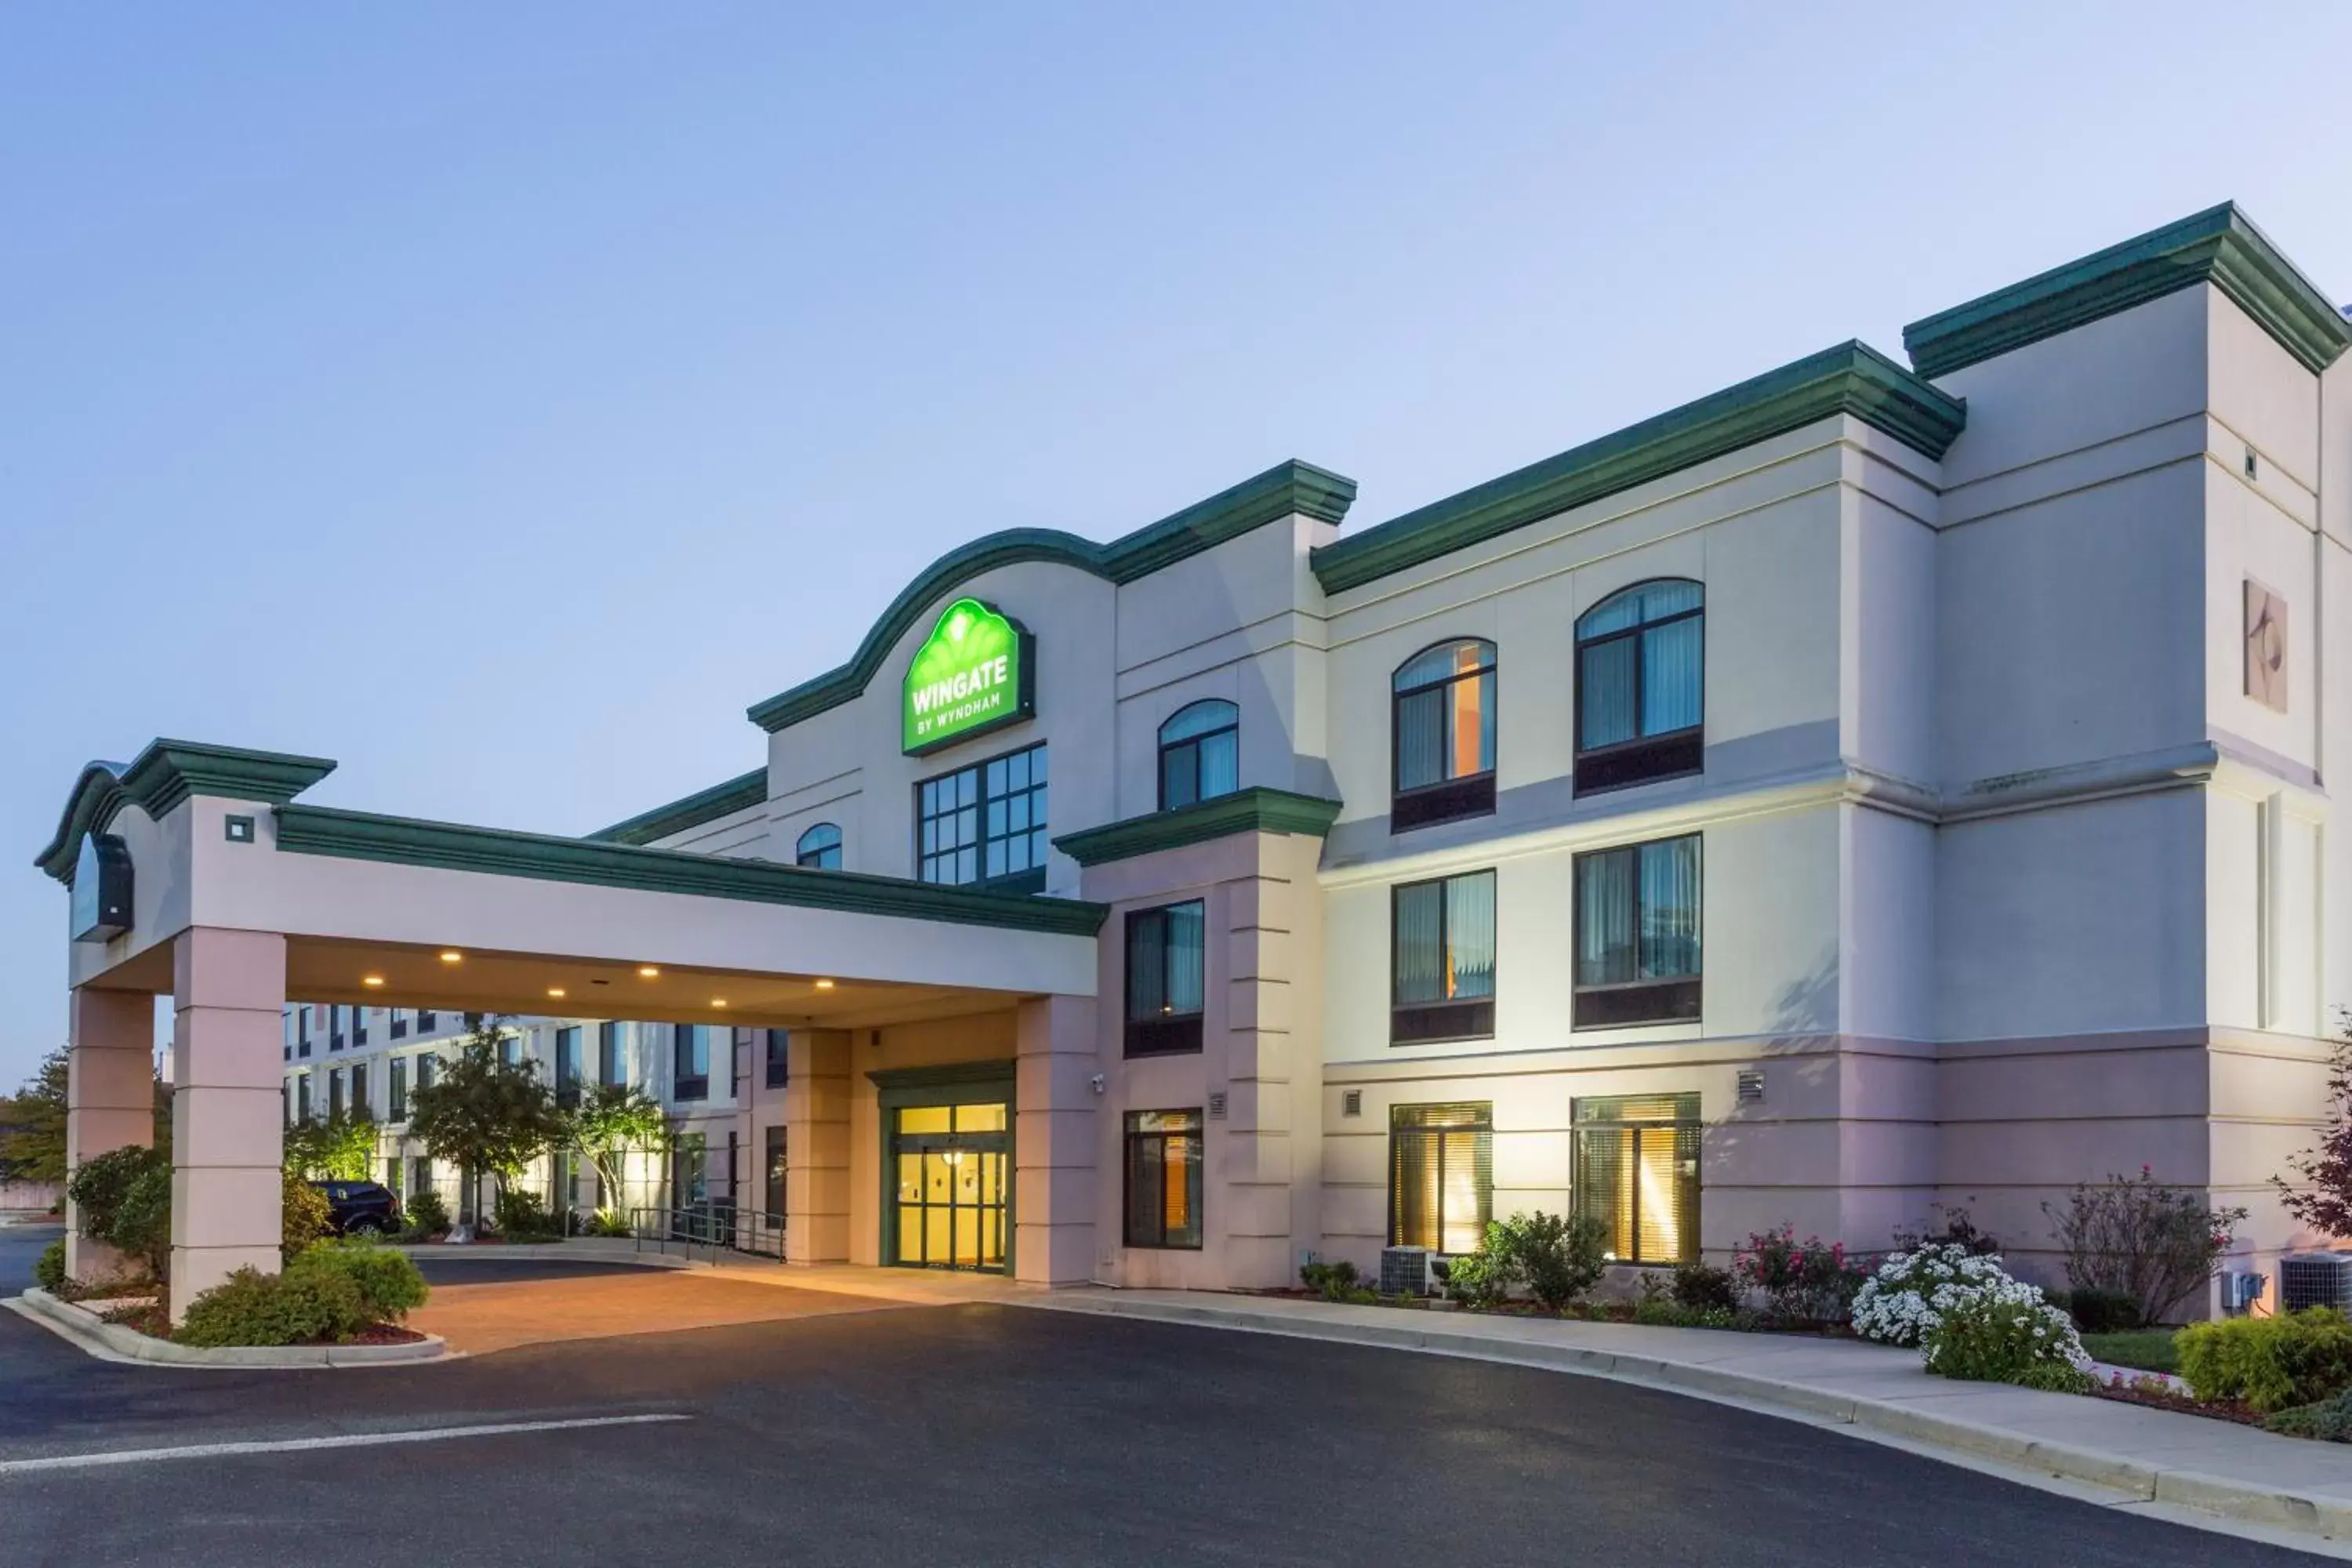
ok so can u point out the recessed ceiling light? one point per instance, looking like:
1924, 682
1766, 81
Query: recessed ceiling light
825, 985
370, 979
648, 971
719, 1001
452, 957
555, 991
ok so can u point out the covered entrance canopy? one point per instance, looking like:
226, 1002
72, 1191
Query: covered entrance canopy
196, 873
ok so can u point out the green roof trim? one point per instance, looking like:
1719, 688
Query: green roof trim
1256, 810
1852, 378
1287, 489
164, 775
737, 794
448, 847
2220, 245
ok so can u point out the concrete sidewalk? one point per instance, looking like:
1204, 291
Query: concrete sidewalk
2150, 1456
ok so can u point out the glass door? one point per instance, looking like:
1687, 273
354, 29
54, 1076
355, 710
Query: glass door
952, 1168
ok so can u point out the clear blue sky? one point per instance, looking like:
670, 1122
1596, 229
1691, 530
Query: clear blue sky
499, 398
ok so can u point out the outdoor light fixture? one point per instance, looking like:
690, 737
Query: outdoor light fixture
719, 1001
825, 985
648, 971
452, 957
555, 991
370, 979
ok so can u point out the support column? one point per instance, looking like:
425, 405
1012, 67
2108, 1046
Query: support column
1054, 1141
228, 1134
817, 1146
109, 1100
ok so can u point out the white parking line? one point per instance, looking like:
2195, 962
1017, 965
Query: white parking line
306, 1445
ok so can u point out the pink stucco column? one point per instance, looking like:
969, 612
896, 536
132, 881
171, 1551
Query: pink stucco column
227, 1131
817, 1140
109, 1099
1053, 1141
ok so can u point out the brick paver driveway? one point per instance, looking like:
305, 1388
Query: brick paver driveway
484, 1307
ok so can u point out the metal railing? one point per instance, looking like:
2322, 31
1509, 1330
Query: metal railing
709, 1230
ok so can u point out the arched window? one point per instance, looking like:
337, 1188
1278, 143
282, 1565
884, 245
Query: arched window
820, 847
1641, 685
1445, 728
1200, 754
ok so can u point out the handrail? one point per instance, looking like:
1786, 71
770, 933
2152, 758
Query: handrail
709, 1228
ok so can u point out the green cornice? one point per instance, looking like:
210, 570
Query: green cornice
1283, 490
2218, 245
1259, 810
164, 775
362, 835
1852, 378
737, 794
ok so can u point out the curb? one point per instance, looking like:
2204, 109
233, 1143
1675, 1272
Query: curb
2278, 1507
547, 1253
113, 1341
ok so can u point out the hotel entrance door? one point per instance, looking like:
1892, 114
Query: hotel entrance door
951, 1168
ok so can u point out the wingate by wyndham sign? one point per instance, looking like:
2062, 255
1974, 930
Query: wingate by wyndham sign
972, 674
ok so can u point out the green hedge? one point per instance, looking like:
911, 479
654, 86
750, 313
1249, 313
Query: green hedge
2271, 1363
326, 1294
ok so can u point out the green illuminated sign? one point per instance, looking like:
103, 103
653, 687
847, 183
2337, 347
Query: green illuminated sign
970, 675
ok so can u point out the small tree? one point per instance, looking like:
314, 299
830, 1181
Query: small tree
2326, 1202
2138, 1238
613, 1122
33, 1122
341, 1148
485, 1114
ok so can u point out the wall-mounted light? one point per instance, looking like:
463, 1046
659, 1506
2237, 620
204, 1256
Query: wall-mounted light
370, 979
719, 1001
648, 971
555, 991
453, 956
825, 985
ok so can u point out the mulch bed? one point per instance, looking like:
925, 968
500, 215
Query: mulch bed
2156, 1398
151, 1319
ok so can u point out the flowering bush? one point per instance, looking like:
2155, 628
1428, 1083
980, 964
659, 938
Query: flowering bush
1807, 1281
2154, 1244
2006, 1333
1912, 1290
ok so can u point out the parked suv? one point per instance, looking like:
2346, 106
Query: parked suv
360, 1208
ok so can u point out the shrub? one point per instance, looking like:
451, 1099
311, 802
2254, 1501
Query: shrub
1703, 1288
1665, 1313
2329, 1420
1558, 1258
389, 1285
2007, 1333
124, 1199
49, 1268
2271, 1363
299, 1307
1910, 1292
1472, 1279
2139, 1238
2098, 1311
519, 1212
609, 1222
1959, 1230
304, 1215
1334, 1281
427, 1216
1811, 1281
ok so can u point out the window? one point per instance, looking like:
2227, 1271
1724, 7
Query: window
1442, 969
1164, 980
739, 1046
420, 1175
567, 1066
1444, 727
399, 1029
690, 1062
335, 1028
392, 1173
693, 1187
985, 823
396, 1100
612, 1064
302, 1031
510, 1050
1637, 935
1441, 1175
773, 1202
1200, 754
1640, 657
334, 1093
1163, 1178
427, 1066
358, 1026
359, 1091
779, 1058
424, 1021
819, 848
1637, 1173
302, 1098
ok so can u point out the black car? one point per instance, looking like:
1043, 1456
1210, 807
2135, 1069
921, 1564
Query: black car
360, 1208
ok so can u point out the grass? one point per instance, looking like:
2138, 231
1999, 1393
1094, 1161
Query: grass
2147, 1350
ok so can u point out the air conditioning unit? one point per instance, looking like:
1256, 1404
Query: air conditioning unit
2315, 1279
1404, 1271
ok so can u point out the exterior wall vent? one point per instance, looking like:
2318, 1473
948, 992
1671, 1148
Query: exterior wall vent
1351, 1102
1751, 1086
